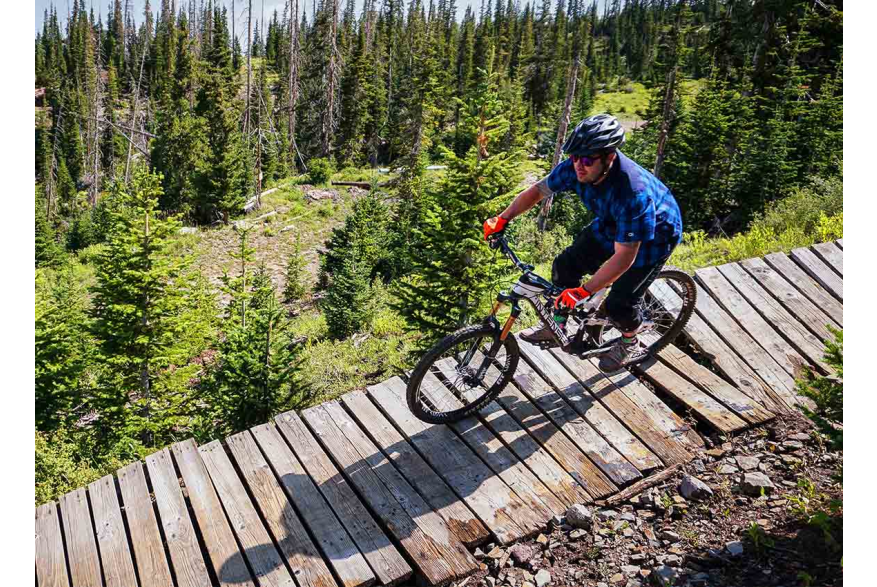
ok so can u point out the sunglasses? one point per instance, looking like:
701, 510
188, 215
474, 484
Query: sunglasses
586, 161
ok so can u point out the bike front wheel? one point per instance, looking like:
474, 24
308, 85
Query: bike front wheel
455, 378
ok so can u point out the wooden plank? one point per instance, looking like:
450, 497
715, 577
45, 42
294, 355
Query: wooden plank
501, 510
152, 565
277, 513
715, 386
81, 547
222, 549
438, 556
593, 412
840, 242
601, 453
817, 294
501, 459
792, 300
802, 340
518, 440
822, 273
723, 356
258, 548
385, 561
690, 395
769, 370
555, 442
337, 546
832, 256
179, 534
49, 547
460, 519
751, 321
665, 419
112, 540
648, 426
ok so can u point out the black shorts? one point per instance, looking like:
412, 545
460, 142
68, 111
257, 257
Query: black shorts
584, 257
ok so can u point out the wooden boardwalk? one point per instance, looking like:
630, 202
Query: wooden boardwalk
357, 492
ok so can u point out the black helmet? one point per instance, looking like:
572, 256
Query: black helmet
595, 134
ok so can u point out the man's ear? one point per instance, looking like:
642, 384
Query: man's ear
610, 157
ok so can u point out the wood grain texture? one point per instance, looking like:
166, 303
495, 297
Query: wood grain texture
831, 255
818, 270
81, 547
809, 287
49, 554
112, 540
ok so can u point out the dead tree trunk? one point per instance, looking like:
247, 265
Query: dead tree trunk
293, 76
249, 63
329, 118
134, 115
665, 121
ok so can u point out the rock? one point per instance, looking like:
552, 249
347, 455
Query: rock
496, 554
627, 532
490, 581
754, 483
618, 579
639, 557
522, 553
669, 535
673, 560
734, 548
664, 575
698, 466
542, 539
557, 520
791, 445
716, 453
619, 525
801, 437
478, 553
240, 225
576, 534
601, 584
630, 570
728, 470
543, 577
694, 488
578, 516
747, 463
650, 536
628, 517
606, 515
188, 230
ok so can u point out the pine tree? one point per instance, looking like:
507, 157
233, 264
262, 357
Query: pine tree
452, 268
296, 285
137, 314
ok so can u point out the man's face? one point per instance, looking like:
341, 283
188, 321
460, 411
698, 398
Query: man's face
586, 173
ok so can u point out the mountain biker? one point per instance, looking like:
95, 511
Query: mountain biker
637, 226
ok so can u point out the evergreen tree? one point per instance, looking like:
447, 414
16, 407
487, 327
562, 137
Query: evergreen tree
296, 284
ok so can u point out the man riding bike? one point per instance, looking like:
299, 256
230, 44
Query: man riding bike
637, 226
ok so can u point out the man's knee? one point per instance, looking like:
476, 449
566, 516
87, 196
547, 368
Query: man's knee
624, 312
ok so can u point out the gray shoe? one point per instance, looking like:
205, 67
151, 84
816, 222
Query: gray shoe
538, 334
621, 355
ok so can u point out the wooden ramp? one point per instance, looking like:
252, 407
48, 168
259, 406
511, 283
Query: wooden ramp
357, 492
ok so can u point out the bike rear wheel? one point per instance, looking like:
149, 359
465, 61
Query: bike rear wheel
445, 387
665, 309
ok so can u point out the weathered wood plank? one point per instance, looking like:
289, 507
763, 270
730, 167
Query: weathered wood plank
594, 412
461, 520
792, 300
81, 547
715, 386
385, 561
337, 546
501, 510
802, 340
537, 458
438, 556
811, 289
742, 311
665, 419
822, 273
49, 547
832, 255
259, 550
179, 534
278, 514
690, 395
222, 549
152, 564
732, 365
570, 457
501, 459
840, 242
600, 452
112, 540
648, 426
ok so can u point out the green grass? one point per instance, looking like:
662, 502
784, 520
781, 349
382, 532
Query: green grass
633, 98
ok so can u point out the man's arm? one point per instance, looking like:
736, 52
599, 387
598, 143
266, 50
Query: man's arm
526, 200
621, 261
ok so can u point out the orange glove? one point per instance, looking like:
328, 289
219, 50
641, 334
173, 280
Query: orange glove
570, 297
494, 225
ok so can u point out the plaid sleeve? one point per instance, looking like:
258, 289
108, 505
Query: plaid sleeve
562, 178
635, 219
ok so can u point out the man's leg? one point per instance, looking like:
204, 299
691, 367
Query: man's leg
583, 256
622, 305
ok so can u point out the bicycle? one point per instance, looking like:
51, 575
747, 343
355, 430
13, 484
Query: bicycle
474, 373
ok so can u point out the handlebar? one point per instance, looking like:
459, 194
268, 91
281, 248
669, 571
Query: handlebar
499, 242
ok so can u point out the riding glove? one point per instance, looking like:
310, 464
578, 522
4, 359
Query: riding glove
572, 296
494, 225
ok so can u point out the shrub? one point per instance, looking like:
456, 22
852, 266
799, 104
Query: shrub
320, 170
827, 393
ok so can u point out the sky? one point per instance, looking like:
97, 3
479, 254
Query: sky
102, 6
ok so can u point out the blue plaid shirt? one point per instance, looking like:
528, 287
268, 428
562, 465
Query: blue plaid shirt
630, 205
